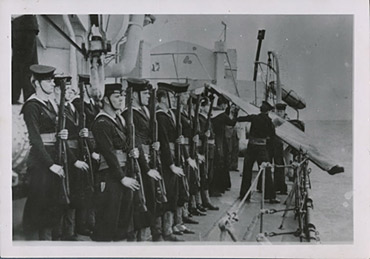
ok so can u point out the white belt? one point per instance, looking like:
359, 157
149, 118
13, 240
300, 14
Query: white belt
211, 141
49, 139
121, 157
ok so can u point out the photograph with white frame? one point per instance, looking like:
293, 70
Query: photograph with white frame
302, 69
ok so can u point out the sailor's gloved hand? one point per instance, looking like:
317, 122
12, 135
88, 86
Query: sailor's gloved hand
192, 163
57, 169
63, 134
180, 140
177, 170
154, 174
81, 165
130, 183
201, 158
196, 138
84, 133
134, 153
208, 133
156, 146
95, 156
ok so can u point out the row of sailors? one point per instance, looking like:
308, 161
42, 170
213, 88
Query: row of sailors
106, 204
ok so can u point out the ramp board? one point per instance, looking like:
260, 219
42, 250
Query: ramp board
289, 134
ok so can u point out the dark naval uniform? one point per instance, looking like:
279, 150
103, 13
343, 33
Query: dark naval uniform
167, 136
142, 141
85, 214
91, 110
72, 126
187, 133
221, 179
24, 53
206, 169
278, 155
114, 217
44, 205
262, 130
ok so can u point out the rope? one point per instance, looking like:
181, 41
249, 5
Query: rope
226, 222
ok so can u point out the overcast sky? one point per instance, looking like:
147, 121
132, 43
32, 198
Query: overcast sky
315, 52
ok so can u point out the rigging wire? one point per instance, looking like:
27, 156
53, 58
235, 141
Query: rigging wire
106, 27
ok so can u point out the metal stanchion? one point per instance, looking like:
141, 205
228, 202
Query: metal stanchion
263, 195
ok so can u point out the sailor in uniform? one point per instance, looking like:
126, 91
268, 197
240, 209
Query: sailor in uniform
187, 206
85, 215
262, 130
221, 179
167, 136
141, 118
278, 155
115, 185
45, 200
206, 148
76, 167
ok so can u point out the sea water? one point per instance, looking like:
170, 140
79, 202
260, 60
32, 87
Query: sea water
333, 194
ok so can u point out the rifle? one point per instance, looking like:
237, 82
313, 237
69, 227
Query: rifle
178, 147
194, 124
84, 147
160, 185
133, 165
62, 147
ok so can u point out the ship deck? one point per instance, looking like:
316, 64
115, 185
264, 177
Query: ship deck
208, 231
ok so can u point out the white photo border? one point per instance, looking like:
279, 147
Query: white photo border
361, 114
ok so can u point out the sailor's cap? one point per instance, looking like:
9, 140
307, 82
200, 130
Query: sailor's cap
280, 106
58, 78
138, 84
84, 78
175, 87
42, 72
265, 107
114, 88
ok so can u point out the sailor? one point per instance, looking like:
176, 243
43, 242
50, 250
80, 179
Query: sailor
221, 179
278, 155
194, 206
141, 118
85, 214
187, 205
46, 201
24, 53
172, 174
207, 149
261, 130
234, 143
115, 185
76, 168
91, 107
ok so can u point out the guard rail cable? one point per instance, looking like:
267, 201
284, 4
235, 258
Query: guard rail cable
302, 207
